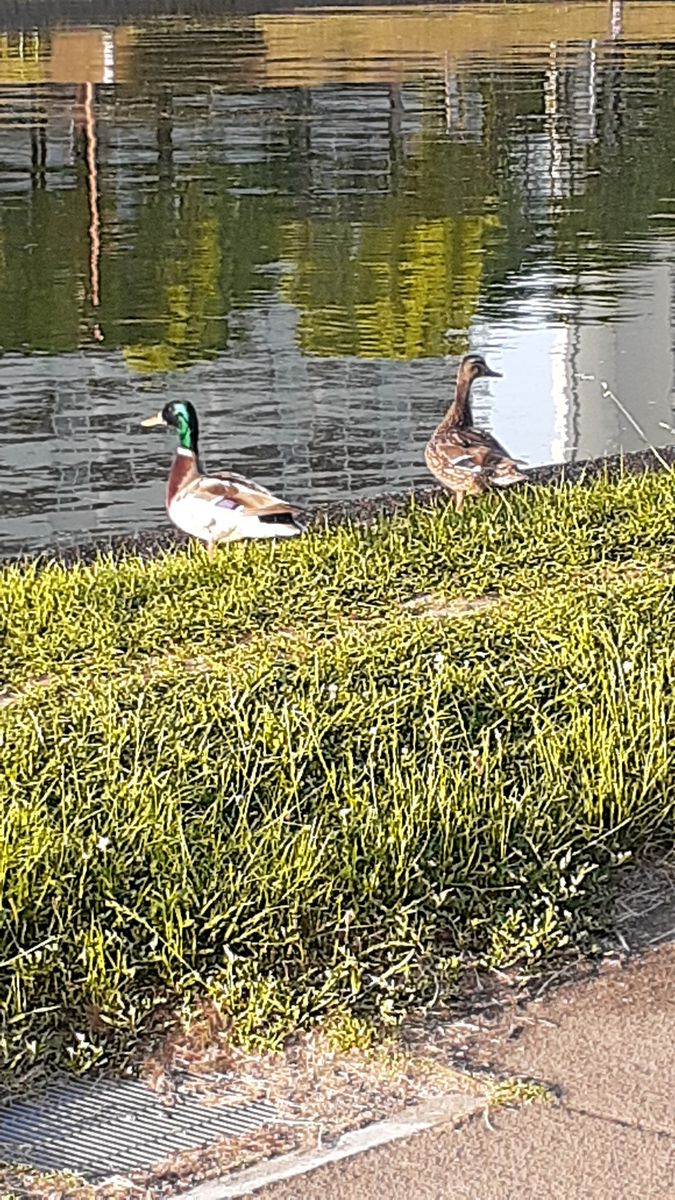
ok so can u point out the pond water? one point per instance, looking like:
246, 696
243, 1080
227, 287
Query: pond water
279, 213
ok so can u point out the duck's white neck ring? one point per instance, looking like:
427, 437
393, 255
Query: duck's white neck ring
184, 452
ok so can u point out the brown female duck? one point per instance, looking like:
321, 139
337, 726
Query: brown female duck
466, 460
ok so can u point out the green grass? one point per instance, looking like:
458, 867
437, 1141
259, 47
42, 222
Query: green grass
55, 618
271, 782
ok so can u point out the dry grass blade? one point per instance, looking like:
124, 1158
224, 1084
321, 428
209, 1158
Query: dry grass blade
608, 393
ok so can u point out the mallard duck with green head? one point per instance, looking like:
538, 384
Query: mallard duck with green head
218, 506
467, 460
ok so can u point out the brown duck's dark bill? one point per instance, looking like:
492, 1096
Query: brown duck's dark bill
158, 419
492, 374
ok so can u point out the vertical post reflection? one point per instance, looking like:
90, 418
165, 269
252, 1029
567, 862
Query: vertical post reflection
592, 88
38, 142
395, 130
551, 82
450, 95
164, 128
615, 18
84, 125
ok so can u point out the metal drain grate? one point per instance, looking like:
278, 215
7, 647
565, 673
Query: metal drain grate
112, 1126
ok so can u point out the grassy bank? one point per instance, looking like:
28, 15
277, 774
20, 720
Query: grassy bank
324, 774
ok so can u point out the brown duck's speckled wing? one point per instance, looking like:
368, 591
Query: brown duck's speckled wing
469, 459
476, 440
236, 491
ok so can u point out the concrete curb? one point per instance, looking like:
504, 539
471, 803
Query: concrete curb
446, 1110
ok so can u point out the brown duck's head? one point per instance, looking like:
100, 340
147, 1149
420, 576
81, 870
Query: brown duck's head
474, 366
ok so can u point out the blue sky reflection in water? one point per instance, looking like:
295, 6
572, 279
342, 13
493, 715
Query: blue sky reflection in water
278, 215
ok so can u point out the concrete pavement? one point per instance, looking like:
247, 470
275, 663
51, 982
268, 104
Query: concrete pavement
607, 1047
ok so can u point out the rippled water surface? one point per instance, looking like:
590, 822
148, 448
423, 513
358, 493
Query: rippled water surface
277, 214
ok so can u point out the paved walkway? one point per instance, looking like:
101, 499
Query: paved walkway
608, 1046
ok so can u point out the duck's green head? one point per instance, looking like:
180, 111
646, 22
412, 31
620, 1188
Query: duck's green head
181, 415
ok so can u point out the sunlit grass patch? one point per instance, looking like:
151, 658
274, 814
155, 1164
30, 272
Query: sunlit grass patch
53, 617
276, 783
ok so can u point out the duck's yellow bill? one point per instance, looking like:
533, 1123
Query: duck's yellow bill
156, 420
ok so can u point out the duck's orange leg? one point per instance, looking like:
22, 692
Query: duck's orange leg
211, 550
459, 500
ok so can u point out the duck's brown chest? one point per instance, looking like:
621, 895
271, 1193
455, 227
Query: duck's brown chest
183, 469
